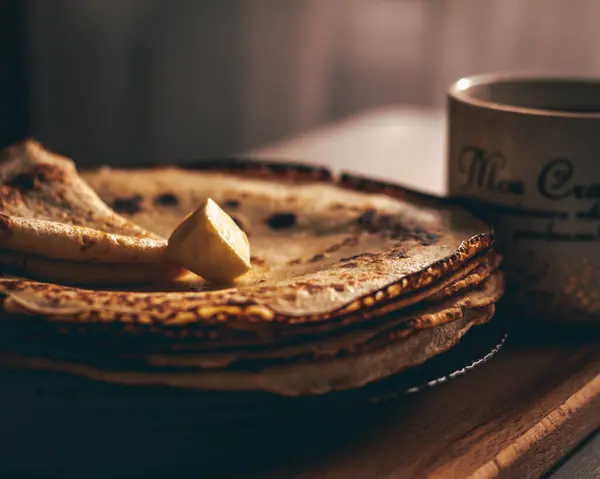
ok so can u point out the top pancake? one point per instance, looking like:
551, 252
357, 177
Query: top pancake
322, 247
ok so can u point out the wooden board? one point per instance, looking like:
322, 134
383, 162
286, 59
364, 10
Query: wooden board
515, 416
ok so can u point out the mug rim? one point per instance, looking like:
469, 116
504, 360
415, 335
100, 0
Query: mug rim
459, 90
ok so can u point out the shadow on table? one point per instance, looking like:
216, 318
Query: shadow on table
68, 427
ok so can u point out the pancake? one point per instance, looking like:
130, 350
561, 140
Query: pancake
192, 315
339, 243
297, 342
292, 379
48, 210
352, 279
49, 213
94, 274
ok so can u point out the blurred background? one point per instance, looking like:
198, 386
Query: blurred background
138, 80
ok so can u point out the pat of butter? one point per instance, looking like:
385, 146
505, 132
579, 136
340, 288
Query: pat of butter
210, 244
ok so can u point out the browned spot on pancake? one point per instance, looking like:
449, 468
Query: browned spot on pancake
129, 205
87, 244
313, 288
359, 256
350, 265
31, 179
316, 258
397, 254
282, 220
373, 222
426, 238
166, 199
432, 320
337, 206
310, 287
386, 224
366, 218
49, 172
231, 203
339, 287
295, 262
350, 241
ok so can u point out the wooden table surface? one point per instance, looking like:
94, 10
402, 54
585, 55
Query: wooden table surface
404, 145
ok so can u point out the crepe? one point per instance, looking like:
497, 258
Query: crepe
352, 279
48, 213
97, 274
310, 378
348, 359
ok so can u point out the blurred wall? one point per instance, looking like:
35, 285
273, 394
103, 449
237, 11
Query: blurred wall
129, 80
411, 50
14, 90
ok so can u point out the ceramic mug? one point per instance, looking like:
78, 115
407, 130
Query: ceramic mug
527, 149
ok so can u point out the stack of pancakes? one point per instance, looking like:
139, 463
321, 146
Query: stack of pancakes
352, 280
